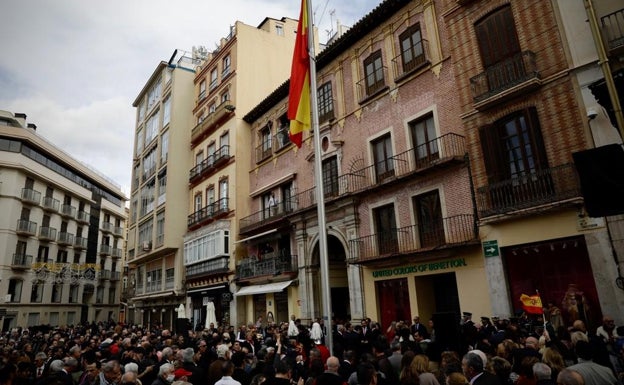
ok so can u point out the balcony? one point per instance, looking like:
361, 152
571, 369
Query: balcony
266, 216
118, 231
505, 80
105, 274
208, 213
219, 265
539, 188
50, 204
271, 264
115, 276
105, 249
68, 211
47, 233
30, 196
26, 227
281, 139
449, 232
21, 261
264, 150
116, 253
372, 85
80, 243
409, 61
613, 31
204, 128
107, 227
65, 238
83, 217
210, 164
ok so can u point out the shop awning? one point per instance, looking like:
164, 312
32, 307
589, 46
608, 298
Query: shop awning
262, 289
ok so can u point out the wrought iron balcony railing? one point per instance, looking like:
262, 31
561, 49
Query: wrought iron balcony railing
209, 212
613, 30
504, 75
410, 60
530, 190
211, 266
269, 264
451, 231
211, 163
265, 216
372, 84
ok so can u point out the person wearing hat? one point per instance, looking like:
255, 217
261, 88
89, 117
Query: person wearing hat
468, 332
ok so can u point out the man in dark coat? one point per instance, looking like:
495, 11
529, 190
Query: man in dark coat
473, 368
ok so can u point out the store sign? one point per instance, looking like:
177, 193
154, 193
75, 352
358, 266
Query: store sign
421, 268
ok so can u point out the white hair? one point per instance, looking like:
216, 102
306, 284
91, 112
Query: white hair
131, 367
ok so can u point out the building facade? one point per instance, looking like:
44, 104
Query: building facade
159, 192
62, 233
523, 101
248, 64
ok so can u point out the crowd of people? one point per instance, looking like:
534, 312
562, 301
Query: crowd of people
493, 351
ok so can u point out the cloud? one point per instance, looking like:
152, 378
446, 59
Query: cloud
75, 67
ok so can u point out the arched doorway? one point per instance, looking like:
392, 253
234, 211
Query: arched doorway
338, 280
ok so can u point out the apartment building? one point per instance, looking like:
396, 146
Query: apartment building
159, 196
62, 233
525, 73
248, 64
401, 224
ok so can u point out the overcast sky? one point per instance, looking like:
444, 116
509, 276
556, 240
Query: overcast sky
74, 67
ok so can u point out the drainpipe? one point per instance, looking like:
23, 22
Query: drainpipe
604, 65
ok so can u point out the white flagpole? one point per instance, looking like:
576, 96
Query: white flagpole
318, 172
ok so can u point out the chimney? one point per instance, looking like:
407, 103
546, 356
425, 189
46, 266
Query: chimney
21, 118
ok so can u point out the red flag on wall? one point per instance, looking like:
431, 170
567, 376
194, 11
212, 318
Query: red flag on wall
299, 93
532, 304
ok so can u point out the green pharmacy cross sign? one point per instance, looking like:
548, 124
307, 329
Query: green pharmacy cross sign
490, 249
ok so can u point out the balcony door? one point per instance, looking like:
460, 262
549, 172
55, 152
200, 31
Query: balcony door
428, 213
386, 230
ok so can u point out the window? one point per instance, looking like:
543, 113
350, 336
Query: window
287, 197
385, 227
513, 146
498, 45
428, 214
223, 195
198, 203
37, 292
162, 188
265, 141
20, 251
207, 246
167, 111
383, 158
149, 164
99, 295
140, 141
279, 29
283, 139
73, 293
325, 102
145, 232
202, 90
269, 204
211, 149
199, 158
141, 112
154, 280
15, 290
225, 96
224, 139
227, 63
42, 254
57, 292
151, 128
153, 94
147, 197
164, 147
61, 256
412, 53
330, 177
212, 108
160, 228
169, 278
210, 197
423, 133
111, 295
374, 73
213, 79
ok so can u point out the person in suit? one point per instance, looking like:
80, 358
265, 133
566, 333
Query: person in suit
346, 366
418, 330
473, 368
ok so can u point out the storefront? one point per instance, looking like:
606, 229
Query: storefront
210, 303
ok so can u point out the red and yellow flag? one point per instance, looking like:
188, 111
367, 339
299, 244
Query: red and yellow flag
532, 304
299, 94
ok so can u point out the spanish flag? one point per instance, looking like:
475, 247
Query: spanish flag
532, 304
299, 94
